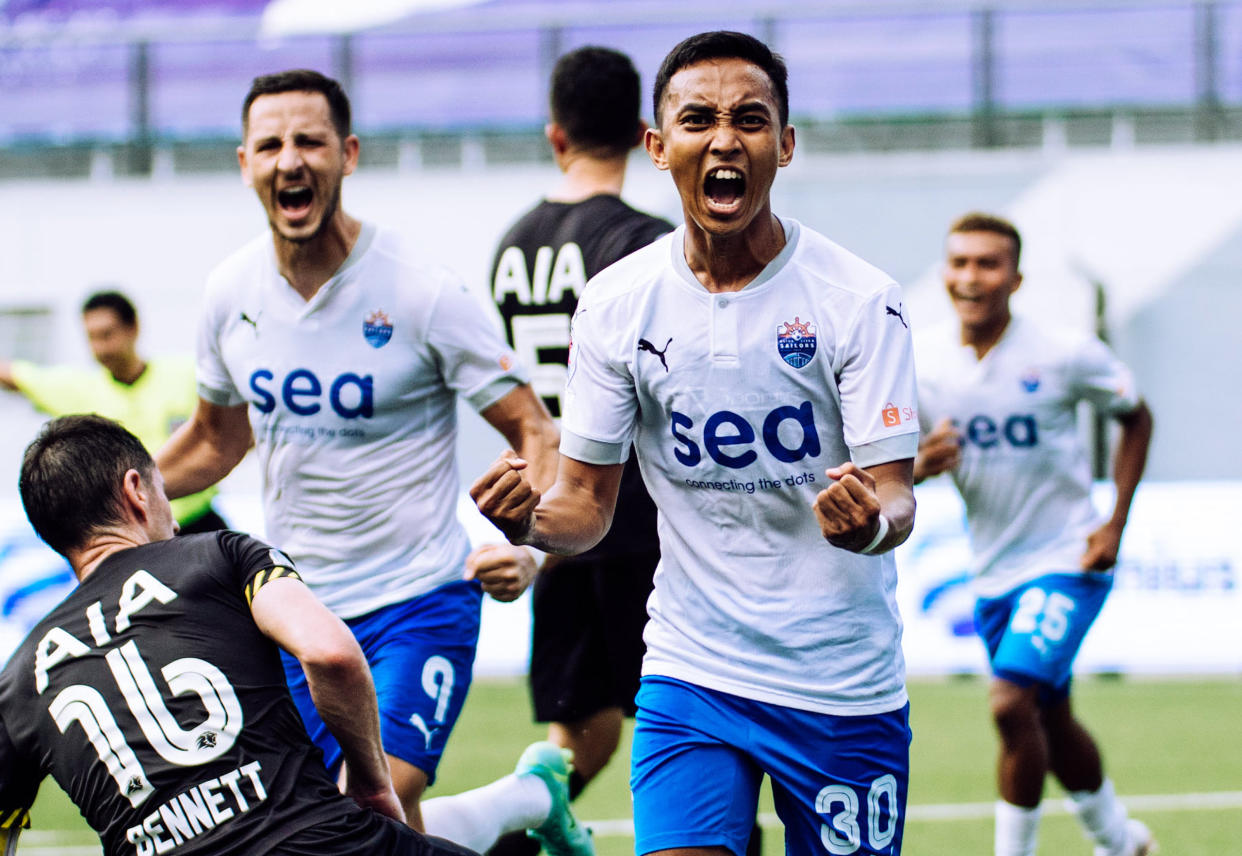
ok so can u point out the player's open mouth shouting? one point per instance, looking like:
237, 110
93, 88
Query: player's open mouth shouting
724, 187
295, 201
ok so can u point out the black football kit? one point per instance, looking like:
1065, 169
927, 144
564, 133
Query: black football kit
587, 653
154, 701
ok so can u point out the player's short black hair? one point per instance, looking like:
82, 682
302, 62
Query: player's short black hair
301, 80
979, 221
115, 301
72, 474
595, 96
724, 44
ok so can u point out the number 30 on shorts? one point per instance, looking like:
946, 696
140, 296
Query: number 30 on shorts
840, 804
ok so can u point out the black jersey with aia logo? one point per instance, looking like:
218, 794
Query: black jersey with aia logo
154, 701
540, 270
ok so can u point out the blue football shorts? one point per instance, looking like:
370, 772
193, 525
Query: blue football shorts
699, 756
421, 654
1033, 633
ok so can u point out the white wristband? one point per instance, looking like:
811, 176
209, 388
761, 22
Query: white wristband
538, 555
880, 534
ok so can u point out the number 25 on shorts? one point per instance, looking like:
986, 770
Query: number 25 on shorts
1042, 614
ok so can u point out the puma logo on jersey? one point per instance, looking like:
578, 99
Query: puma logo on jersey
206, 740
418, 722
644, 345
253, 322
888, 310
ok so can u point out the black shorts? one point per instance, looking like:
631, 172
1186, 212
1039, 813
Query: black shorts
587, 643
364, 834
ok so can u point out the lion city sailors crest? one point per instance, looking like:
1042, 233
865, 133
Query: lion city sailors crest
795, 341
377, 329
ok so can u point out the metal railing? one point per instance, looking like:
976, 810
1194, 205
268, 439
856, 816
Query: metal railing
884, 74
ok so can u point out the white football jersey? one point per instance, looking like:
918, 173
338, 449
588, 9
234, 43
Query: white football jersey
1024, 473
352, 398
736, 404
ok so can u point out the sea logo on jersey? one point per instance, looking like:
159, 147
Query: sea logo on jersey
1017, 431
1030, 380
788, 434
350, 396
377, 329
796, 341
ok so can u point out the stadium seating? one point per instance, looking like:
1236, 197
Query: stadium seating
73, 70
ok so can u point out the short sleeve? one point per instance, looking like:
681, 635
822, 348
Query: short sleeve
215, 384
19, 781
474, 359
1100, 377
601, 405
257, 563
876, 380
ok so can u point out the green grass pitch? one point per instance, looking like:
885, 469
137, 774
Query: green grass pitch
1172, 746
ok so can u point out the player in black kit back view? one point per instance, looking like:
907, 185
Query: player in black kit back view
154, 693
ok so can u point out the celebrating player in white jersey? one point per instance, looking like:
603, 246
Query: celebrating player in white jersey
998, 397
765, 377
343, 358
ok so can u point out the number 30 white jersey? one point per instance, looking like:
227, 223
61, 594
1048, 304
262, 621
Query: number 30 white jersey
1024, 474
737, 403
352, 397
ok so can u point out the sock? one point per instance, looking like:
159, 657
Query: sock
1017, 829
576, 784
477, 818
1102, 816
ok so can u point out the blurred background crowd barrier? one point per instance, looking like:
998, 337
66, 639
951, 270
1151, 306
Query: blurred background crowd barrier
442, 80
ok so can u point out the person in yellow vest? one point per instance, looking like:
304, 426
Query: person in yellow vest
150, 397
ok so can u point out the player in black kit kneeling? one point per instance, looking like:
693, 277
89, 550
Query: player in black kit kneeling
154, 693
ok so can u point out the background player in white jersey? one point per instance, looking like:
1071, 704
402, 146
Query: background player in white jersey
998, 397
342, 358
217, 763
747, 358
589, 611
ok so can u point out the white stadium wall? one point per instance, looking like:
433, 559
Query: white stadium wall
1162, 231
1174, 607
